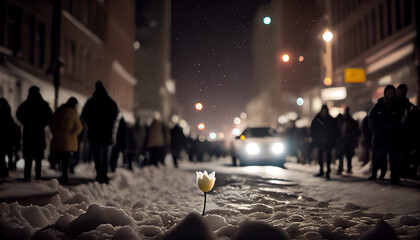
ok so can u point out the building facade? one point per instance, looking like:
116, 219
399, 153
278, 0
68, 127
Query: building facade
155, 91
95, 42
380, 37
294, 30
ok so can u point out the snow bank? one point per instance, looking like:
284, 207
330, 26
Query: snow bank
164, 203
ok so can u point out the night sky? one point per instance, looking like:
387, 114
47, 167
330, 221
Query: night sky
211, 54
211, 51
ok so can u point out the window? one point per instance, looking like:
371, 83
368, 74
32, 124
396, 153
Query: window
373, 19
398, 13
389, 17
2, 21
32, 40
407, 12
381, 22
41, 33
14, 26
367, 32
71, 58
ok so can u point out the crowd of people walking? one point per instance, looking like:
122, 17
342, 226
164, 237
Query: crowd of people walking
390, 131
98, 134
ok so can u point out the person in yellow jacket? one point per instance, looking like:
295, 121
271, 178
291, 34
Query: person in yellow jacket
65, 126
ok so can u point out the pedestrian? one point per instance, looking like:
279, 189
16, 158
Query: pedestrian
178, 142
385, 123
120, 145
410, 141
324, 133
349, 134
34, 114
65, 127
366, 141
157, 140
6, 136
100, 113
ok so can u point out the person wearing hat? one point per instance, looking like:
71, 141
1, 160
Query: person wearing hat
324, 134
385, 123
34, 114
65, 127
100, 114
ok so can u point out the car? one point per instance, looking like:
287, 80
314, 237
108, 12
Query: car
261, 146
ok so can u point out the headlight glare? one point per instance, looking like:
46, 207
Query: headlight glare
277, 148
252, 148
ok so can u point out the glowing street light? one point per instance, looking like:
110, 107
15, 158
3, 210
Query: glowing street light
212, 135
327, 36
327, 81
285, 58
299, 101
199, 106
236, 120
201, 126
236, 131
267, 20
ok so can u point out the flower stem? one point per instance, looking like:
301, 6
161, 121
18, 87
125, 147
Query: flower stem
205, 198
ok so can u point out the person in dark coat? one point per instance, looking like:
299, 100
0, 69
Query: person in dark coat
6, 136
385, 123
348, 140
100, 113
120, 145
366, 141
410, 141
324, 133
34, 114
178, 142
65, 127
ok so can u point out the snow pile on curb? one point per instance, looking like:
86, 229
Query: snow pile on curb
163, 203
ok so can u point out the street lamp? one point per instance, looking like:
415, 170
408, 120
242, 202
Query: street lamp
285, 57
201, 126
267, 20
198, 106
327, 36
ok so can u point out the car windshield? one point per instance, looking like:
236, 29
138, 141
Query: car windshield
259, 132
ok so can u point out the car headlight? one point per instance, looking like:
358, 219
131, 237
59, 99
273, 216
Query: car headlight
252, 148
277, 148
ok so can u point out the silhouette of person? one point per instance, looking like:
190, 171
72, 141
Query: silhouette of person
157, 140
348, 140
6, 136
34, 114
65, 127
120, 145
100, 113
385, 123
324, 133
177, 142
410, 142
366, 141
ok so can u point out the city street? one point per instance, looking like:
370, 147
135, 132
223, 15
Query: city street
150, 201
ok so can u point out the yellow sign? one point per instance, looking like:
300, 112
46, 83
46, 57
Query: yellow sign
354, 75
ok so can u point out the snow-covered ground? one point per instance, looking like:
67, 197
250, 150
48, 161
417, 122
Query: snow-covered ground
165, 203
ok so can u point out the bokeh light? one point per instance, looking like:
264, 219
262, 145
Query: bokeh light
285, 58
327, 36
199, 106
236, 120
327, 81
236, 131
267, 20
299, 101
201, 126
